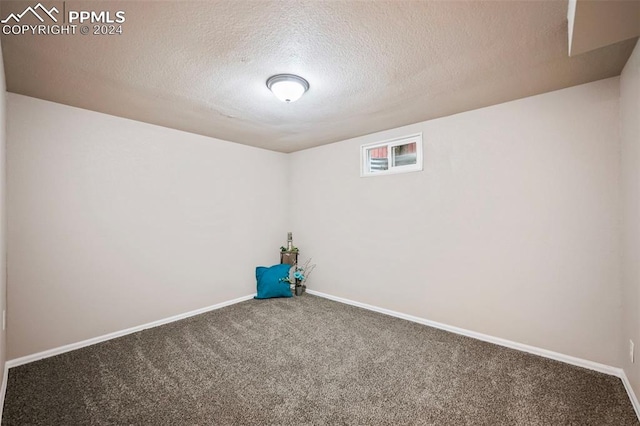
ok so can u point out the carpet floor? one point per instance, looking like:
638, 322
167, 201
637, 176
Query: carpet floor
307, 361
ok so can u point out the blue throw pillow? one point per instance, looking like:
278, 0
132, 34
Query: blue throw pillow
270, 282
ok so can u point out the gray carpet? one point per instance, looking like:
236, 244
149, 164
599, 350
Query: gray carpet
307, 361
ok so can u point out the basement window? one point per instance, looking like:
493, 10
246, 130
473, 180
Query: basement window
393, 156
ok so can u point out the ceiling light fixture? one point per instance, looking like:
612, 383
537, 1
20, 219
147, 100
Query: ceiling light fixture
287, 87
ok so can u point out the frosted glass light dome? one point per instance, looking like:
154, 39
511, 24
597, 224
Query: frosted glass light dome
287, 87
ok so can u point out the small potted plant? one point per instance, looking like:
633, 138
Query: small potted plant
300, 276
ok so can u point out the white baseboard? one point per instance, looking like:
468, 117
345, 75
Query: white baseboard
602, 368
591, 365
630, 392
66, 348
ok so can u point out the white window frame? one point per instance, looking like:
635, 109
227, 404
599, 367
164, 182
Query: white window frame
404, 140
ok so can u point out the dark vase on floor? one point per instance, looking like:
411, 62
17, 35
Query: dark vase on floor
299, 290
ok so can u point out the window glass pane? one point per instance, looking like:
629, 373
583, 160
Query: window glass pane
377, 159
400, 155
404, 155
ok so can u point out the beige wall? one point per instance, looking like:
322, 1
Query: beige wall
511, 229
3, 216
114, 223
630, 139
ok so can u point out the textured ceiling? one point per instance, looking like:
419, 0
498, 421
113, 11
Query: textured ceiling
594, 24
372, 65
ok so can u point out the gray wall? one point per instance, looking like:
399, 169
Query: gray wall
114, 223
3, 216
511, 230
630, 137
